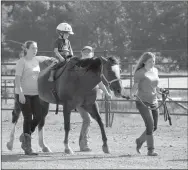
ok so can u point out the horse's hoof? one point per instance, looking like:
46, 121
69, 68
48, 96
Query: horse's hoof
69, 151
105, 149
9, 146
46, 149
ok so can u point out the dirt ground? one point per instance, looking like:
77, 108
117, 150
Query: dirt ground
170, 143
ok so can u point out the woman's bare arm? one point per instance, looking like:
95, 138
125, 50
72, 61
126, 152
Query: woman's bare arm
18, 84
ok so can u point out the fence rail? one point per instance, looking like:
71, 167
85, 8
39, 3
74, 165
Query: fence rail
119, 100
109, 113
128, 88
116, 112
123, 76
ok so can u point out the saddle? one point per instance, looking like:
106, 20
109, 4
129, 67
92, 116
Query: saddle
58, 72
44, 86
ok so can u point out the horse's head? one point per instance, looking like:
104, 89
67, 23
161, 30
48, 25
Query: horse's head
111, 75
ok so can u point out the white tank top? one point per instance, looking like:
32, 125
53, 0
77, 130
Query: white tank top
29, 71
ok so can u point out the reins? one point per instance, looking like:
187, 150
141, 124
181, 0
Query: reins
166, 113
152, 108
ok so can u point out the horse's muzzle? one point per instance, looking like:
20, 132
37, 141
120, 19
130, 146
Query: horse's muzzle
117, 93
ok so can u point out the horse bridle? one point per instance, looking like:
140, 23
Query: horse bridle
110, 82
102, 74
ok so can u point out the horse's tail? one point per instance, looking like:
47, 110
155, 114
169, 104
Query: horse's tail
16, 112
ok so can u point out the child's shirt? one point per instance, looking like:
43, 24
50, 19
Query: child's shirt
62, 45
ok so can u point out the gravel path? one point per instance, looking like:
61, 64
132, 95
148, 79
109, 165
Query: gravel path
170, 143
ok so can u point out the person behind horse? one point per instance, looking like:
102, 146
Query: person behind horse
145, 86
26, 93
62, 47
87, 52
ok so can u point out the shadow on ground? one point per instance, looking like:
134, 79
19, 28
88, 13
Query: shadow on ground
55, 157
179, 160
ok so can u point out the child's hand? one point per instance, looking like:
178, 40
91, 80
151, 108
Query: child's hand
62, 59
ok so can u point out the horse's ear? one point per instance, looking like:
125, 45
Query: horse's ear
113, 60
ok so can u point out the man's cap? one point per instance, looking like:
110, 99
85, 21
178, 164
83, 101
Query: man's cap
87, 47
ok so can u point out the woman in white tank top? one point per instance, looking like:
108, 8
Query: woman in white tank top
27, 71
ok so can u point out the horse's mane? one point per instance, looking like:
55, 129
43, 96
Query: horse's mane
93, 64
113, 60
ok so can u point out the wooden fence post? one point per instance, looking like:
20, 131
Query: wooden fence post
105, 53
106, 112
6, 92
168, 82
131, 83
106, 101
131, 74
14, 86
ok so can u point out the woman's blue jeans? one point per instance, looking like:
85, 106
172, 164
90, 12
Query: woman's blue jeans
150, 117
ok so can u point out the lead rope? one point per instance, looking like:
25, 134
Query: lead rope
166, 112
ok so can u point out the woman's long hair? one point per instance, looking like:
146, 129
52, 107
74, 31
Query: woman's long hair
25, 46
141, 62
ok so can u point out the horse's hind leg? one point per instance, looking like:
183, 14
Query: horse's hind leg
15, 116
93, 110
45, 108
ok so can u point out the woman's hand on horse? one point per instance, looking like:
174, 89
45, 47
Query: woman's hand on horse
54, 60
22, 98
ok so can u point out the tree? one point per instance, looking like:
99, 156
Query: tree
128, 28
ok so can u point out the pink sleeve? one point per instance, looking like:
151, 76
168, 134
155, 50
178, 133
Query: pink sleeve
19, 67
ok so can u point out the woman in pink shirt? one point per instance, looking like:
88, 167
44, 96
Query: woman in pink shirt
26, 89
145, 87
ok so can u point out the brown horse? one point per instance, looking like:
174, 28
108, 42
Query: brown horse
75, 85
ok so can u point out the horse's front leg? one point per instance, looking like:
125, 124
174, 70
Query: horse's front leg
45, 108
93, 110
11, 140
42, 144
67, 113
15, 116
